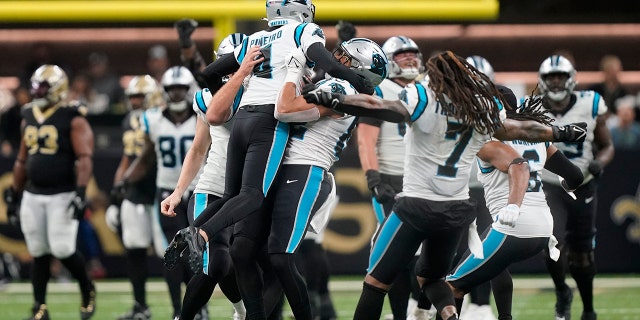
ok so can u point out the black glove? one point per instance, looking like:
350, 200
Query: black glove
78, 204
383, 192
574, 132
324, 98
346, 31
117, 193
595, 168
12, 199
185, 28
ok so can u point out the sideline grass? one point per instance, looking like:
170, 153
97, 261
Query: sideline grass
615, 298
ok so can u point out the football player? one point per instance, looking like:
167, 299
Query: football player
168, 134
209, 141
130, 212
51, 172
381, 152
574, 220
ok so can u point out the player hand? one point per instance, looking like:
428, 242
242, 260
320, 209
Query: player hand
346, 30
112, 217
185, 28
573, 132
595, 168
383, 192
509, 215
12, 199
117, 193
168, 205
317, 96
253, 57
78, 204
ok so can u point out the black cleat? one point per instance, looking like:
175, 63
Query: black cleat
138, 312
87, 311
195, 249
39, 312
563, 304
175, 249
589, 316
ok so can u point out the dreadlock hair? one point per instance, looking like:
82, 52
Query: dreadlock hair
465, 93
530, 109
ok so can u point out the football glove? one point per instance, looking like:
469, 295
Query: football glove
12, 199
595, 167
383, 192
185, 28
117, 193
112, 217
78, 204
324, 98
509, 215
573, 132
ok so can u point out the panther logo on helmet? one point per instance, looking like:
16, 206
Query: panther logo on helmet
367, 59
556, 64
49, 86
279, 12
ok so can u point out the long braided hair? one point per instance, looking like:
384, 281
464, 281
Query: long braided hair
530, 109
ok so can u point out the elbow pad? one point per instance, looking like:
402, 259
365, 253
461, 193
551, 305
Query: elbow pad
312, 114
560, 165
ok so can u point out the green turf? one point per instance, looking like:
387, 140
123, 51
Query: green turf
617, 300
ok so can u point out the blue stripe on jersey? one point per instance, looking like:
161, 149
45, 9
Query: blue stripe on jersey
490, 246
297, 34
486, 170
236, 100
281, 135
378, 92
547, 144
423, 100
305, 206
243, 50
383, 240
146, 122
200, 102
378, 210
594, 107
500, 106
342, 140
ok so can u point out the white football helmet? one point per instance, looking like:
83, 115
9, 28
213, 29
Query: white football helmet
367, 59
179, 87
279, 12
556, 64
399, 44
49, 86
483, 66
146, 86
229, 43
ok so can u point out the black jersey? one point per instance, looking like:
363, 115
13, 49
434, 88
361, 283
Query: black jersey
50, 166
143, 191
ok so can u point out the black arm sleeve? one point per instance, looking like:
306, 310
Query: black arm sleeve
325, 61
213, 73
560, 165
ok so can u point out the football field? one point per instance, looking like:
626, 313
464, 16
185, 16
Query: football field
616, 297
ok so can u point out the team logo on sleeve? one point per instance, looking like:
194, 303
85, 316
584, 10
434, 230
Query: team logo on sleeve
318, 32
338, 88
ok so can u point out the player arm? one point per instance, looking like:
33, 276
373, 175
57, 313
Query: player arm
367, 135
558, 163
83, 146
508, 160
219, 108
194, 157
19, 166
602, 139
213, 73
325, 61
524, 130
141, 164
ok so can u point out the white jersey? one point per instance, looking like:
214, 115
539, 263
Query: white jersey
268, 77
212, 178
320, 142
585, 106
438, 154
535, 217
390, 144
171, 143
